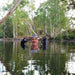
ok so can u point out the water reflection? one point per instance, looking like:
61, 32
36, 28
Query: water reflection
3, 70
31, 68
24, 46
5, 57
70, 64
58, 59
2, 67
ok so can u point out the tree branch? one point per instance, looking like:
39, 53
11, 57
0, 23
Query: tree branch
10, 11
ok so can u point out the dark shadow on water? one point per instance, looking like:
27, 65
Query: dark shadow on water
24, 47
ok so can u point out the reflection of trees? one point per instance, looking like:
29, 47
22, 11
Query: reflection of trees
70, 63
57, 64
50, 61
53, 61
1, 47
70, 46
13, 57
57, 59
6, 55
8, 52
20, 58
4, 63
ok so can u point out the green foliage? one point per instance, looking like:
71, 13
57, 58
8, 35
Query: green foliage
15, 24
23, 3
67, 35
69, 3
8, 25
19, 17
52, 15
1, 32
18, 20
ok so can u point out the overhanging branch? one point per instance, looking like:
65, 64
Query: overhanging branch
10, 11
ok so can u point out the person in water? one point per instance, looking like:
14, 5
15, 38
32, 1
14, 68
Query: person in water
34, 46
44, 43
23, 41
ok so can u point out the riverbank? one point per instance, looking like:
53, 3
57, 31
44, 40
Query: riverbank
10, 39
67, 35
63, 40
19, 39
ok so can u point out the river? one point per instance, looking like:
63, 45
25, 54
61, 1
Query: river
58, 58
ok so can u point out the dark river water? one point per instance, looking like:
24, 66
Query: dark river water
58, 58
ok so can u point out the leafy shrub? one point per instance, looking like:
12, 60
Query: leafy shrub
67, 35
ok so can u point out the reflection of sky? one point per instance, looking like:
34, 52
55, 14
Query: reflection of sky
31, 67
4, 2
36, 72
2, 67
70, 13
70, 64
34, 51
37, 3
70, 67
3, 70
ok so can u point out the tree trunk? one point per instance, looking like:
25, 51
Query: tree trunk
14, 31
30, 26
10, 11
4, 28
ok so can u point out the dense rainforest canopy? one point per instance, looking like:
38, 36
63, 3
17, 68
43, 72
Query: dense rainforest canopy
48, 19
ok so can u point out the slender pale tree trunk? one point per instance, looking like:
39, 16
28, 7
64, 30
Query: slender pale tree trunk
51, 23
30, 26
45, 28
50, 26
16, 31
10, 11
13, 31
4, 28
59, 19
35, 27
